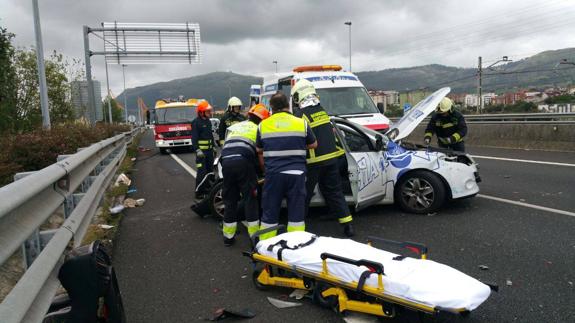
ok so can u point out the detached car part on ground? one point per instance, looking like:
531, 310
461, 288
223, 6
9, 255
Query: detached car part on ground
383, 170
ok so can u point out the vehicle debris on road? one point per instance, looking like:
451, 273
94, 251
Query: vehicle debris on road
282, 304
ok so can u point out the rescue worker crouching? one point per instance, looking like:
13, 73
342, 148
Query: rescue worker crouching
231, 117
322, 162
449, 126
203, 143
239, 166
283, 140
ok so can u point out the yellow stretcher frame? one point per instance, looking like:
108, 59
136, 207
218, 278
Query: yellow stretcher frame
338, 287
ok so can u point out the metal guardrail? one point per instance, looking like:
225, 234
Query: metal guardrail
517, 118
76, 182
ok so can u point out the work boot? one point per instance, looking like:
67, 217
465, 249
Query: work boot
348, 230
228, 242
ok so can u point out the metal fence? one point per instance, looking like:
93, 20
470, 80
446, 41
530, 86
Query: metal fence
517, 118
77, 183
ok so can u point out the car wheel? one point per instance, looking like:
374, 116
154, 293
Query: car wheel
163, 151
217, 201
420, 192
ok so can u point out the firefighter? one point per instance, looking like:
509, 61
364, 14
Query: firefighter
203, 143
449, 126
240, 167
322, 162
282, 140
231, 117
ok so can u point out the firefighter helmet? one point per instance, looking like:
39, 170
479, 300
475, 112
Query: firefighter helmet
204, 106
445, 105
259, 110
234, 102
301, 90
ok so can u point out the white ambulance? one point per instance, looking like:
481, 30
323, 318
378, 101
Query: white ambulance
341, 94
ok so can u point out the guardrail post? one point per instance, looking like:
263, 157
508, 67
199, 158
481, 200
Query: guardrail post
31, 247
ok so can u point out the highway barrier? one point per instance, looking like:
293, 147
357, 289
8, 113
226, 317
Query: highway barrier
544, 131
75, 182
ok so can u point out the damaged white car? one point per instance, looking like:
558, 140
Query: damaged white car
380, 169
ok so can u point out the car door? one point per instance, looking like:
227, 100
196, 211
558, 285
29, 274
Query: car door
366, 165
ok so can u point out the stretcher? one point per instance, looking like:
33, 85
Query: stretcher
352, 276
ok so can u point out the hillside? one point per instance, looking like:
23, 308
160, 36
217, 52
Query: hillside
519, 76
216, 86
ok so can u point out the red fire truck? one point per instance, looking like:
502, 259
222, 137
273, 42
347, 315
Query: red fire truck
173, 123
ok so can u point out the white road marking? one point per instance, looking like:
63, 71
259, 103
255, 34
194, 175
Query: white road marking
524, 161
533, 206
184, 165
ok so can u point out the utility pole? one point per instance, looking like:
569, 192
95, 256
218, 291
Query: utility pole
108, 85
125, 94
108, 96
91, 96
479, 89
44, 103
349, 24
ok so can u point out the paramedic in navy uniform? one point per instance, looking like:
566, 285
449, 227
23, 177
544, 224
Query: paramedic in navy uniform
282, 141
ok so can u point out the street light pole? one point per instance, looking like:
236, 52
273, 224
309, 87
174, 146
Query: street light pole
108, 96
276, 63
479, 89
125, 94
349, 24
44, 103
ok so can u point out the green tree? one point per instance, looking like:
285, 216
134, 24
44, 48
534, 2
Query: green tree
117, 112
28, 99
565, 98
8, 84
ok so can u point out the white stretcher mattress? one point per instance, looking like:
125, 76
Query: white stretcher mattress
422, 281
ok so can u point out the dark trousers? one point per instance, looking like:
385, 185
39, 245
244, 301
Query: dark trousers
240, 178
329, 180
204, 165
459, 146
276, 187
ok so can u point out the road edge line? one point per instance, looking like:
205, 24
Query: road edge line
524, 161
533, 206
184, 165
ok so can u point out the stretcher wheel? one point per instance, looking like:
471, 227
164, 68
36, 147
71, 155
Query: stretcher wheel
329, 302
259, 285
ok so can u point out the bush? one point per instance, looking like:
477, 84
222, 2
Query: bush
35, 150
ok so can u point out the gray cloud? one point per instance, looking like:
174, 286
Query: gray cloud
246, 36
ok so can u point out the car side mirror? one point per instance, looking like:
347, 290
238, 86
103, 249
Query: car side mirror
380, 107
379, 144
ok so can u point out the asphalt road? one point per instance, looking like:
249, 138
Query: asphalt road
173, 267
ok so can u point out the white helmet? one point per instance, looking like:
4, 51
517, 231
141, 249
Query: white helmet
234, 102
301, 90
445, 105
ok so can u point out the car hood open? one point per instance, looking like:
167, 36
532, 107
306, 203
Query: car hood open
413, 118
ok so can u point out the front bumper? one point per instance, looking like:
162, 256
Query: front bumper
173, 143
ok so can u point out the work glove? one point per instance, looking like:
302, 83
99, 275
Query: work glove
200, 153
427, 140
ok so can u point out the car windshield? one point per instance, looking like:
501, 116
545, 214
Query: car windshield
346, 100
175, 115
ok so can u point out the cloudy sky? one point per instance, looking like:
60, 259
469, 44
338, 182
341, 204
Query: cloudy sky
246, 36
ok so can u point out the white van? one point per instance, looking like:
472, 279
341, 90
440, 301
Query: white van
341, 94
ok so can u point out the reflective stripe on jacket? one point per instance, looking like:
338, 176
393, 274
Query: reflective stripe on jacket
241, 140
444, 126
202, 136
283, 138
327, 149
